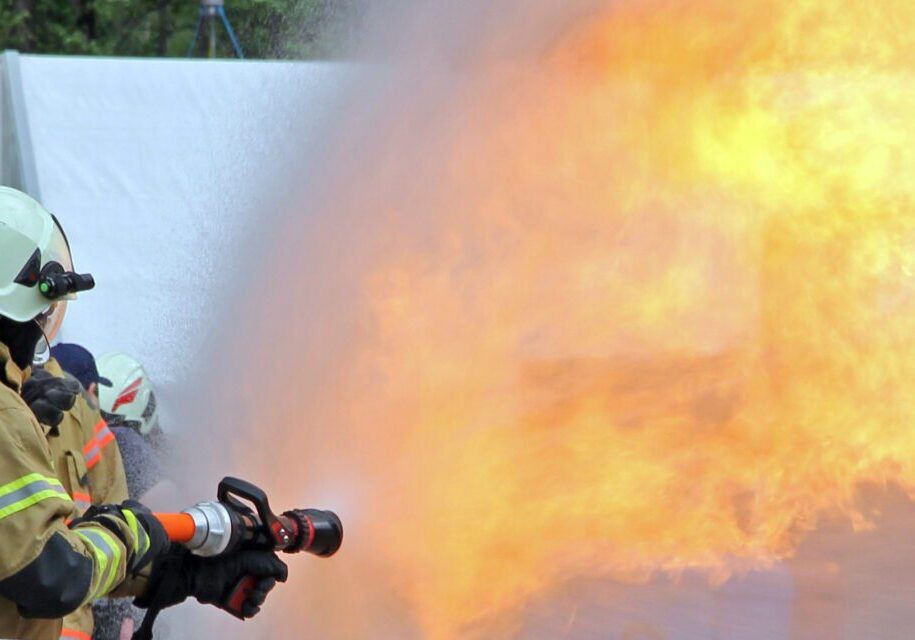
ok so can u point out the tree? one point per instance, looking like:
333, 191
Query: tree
266, 28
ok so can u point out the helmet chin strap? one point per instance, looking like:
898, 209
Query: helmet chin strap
41, 356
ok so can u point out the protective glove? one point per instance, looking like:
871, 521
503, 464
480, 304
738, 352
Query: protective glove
49, 396
249, 575
150, 539
238, 582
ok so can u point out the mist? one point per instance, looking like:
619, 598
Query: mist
546, 353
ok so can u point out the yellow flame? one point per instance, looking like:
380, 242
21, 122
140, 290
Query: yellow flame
660, 313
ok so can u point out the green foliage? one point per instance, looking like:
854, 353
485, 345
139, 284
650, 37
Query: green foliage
265, 28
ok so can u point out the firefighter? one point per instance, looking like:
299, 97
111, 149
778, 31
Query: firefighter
142, 469
130, 400
107, 480
85, 447
49, 568
87, 460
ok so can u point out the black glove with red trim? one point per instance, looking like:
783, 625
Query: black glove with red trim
237, 582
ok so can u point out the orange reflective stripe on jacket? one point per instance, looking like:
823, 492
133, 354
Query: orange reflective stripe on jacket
74, 633
82, 500
92, 451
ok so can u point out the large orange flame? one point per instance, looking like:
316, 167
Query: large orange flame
643, 304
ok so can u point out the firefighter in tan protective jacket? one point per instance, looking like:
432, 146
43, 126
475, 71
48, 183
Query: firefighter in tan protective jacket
89, 465
53, 561
85, 451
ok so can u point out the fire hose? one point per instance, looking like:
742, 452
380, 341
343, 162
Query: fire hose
241, 518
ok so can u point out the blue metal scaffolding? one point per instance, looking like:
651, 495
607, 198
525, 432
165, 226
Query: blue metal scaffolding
210, 11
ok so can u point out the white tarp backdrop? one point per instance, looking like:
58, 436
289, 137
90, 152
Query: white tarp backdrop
150, 164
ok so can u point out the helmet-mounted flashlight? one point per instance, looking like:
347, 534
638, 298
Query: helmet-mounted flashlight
55, 283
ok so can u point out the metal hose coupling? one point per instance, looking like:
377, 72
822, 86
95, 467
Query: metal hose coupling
213, 529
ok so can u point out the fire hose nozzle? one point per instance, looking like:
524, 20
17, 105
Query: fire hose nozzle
320, 532
222, 526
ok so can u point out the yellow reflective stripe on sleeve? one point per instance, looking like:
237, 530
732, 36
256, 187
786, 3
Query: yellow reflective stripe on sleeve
101, 559
139, 534
143, 543
9, 487
106, 554
28, 490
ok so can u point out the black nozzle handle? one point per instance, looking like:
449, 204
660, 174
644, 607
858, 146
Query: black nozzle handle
231, 489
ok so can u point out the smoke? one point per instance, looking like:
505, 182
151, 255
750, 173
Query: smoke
566, 293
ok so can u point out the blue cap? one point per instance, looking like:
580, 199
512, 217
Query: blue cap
79, 363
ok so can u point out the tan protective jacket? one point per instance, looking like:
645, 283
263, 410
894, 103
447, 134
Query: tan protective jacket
34, 510
89, 465
86, 454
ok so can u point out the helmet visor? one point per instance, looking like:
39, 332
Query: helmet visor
58, 248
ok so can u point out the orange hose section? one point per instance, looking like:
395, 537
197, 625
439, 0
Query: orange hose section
178, 526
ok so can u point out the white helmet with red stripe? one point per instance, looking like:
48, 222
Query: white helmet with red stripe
130, 399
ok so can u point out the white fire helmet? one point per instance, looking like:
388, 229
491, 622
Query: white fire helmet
31, 245
131, 397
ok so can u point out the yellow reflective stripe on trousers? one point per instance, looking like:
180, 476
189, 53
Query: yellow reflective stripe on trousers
108, 556
139, 534
28, 490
